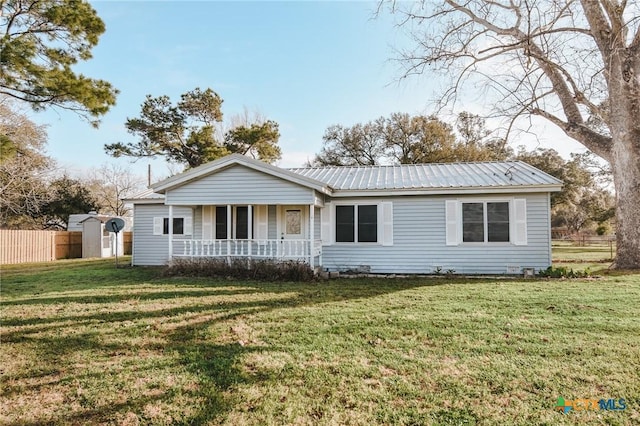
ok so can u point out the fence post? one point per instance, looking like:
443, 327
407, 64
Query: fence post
610, 248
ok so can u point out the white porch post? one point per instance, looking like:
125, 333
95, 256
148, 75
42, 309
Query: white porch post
229, 213
312, 215
249, 228
170, 232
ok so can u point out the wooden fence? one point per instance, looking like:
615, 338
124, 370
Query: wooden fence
127, 241
44, 246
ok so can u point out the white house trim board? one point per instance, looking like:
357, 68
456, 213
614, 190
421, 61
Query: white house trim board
208, 222
519, 216
170, 233
318, 199
312, 218
262, 222
327, 219
385, 220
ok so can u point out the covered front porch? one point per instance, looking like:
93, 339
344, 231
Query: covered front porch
278, 232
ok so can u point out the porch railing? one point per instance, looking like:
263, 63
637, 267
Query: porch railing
268, 249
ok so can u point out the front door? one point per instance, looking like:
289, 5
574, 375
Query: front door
293, 222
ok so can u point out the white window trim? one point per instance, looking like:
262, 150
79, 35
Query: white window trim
234, 223
379, 234
484, 202
185, 223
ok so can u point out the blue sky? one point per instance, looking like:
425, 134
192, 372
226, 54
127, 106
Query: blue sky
306, 65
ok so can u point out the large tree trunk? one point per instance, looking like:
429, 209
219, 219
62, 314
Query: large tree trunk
624, 102
626, 174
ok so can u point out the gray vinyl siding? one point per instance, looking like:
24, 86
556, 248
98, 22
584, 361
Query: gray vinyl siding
149, 249
239, 185
273, 223
197, 223
419, 244
317, 224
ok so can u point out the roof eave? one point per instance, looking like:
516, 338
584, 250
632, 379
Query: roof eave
144, 200
445, 191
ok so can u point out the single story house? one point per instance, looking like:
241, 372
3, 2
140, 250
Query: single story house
471, 218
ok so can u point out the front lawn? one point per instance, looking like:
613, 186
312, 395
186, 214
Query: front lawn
84, 343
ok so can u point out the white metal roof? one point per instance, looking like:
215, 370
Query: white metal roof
147, 196
490, 176
430, 176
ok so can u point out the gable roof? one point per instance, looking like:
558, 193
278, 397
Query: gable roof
432, 176
145, 197
476, 177
99, 217
243, 160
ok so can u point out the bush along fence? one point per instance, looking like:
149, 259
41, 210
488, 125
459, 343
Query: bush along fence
44, 246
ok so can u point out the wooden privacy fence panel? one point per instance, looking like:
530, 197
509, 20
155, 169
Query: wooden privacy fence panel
38, 246
68, 244
127, 241
27, 246
45, 246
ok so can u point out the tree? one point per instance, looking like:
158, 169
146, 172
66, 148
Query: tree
258, 140
67, 196
40, 41
24, 169
405, 139
477, 143
110, 184
186, 133
358, 145
563, 60
418, 139
583, 200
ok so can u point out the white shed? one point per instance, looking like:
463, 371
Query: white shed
75, 221
97, 241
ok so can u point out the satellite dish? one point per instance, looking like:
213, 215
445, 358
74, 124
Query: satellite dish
115, 224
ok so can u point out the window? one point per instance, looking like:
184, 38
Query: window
181, 225
178, 226
293, 222
485, 222
344, 224
367, 224
242, 222
473, 222
221, 223
363, 218
498, 222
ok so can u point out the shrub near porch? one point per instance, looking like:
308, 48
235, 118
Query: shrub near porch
84, 343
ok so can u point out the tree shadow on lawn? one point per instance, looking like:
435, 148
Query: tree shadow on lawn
127, 296
217, 366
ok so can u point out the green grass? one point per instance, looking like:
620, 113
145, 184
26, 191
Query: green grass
569, 252
595, 257
84, 343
